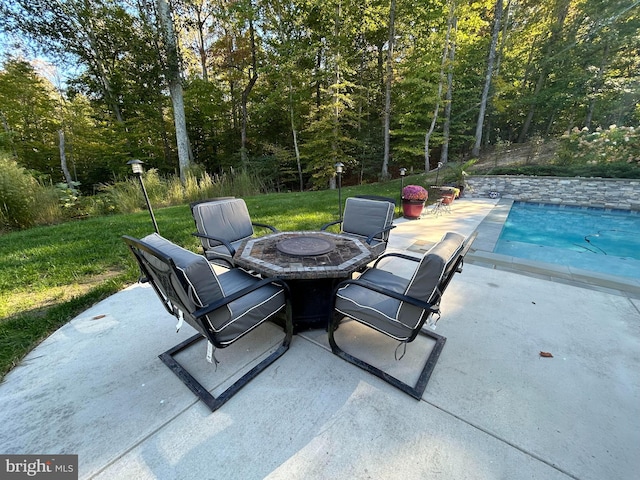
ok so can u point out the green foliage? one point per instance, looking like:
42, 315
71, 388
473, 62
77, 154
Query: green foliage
18, 194
455, 172
603, 170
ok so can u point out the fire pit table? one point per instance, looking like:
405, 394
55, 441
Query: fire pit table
312, 264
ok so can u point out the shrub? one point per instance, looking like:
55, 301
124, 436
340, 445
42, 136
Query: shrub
612, 145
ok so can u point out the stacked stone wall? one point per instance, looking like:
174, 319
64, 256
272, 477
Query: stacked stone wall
591, 192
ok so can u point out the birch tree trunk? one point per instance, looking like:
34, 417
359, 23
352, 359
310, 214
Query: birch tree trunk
387, 101
475, 152
295, 135
444, 154
445, 54
253, 77
63, 160
175, 88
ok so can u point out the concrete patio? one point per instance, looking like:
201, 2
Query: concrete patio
493, 409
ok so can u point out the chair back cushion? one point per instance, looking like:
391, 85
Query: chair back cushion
192, 284
228, 219
365, 217
431, 269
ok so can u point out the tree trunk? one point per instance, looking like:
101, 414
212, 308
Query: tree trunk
445, 55
444, 154
63, 160
175, 88
597, 86
253, 77
556, 29
7, 130
475, 152
387, 100
101, 74
295, 135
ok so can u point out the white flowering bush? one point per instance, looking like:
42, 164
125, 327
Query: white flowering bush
614, 144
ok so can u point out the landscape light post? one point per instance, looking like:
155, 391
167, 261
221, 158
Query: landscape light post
339, 166
403, 172
438, 172
138, 170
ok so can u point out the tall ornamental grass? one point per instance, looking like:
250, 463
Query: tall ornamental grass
25, 202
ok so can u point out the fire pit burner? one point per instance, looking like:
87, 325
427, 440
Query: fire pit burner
305, 246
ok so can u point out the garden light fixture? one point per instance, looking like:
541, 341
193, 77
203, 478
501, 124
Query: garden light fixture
138, 170
339, 168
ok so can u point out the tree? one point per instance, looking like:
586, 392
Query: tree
497, 19
445, 56
29, 114
387, 98
172, 73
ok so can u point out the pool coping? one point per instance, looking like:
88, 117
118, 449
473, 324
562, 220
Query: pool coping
489, 230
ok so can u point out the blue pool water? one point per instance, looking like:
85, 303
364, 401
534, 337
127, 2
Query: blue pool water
605, 241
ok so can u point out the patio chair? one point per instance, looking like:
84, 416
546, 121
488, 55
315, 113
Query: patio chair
443, 204
368, 220
222, 225
222, 308
399, 307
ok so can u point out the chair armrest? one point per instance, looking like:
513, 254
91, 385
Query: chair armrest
222, 241
327, 225
207, 309
398, 255
389, 293
370, 237
264, 225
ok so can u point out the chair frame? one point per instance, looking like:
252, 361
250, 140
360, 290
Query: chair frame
417, 390
168, 357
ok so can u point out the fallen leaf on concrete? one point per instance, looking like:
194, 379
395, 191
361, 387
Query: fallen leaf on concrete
546, 355
98, 317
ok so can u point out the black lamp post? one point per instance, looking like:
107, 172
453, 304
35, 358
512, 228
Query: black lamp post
438, 172
339, 166
403, 172
138, 170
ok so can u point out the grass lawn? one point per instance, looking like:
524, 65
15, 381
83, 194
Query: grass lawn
48, 275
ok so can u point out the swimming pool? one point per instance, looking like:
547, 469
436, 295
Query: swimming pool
605, 241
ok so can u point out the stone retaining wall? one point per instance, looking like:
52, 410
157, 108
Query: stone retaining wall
592, 192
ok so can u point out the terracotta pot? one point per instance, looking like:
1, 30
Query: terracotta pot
412, 209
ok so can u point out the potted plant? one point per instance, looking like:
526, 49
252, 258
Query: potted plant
459, 173
413, 200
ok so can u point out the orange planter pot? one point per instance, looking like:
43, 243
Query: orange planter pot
412, 209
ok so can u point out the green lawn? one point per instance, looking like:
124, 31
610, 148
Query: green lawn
50, 274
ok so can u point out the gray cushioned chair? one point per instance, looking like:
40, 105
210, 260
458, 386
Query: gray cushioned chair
222, 308
222, 225
399, 307
369, 220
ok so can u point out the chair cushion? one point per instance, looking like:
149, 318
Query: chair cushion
393, 317
433, 265
221, 251
202, 284
365, 217
248, 311
228, 219
375, 309
427, 277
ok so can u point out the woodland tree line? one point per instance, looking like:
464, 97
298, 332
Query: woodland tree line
287, 88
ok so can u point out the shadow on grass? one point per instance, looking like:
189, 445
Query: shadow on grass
23, 332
